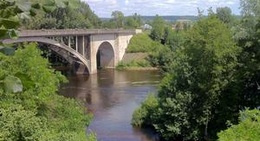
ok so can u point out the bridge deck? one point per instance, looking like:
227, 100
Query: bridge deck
72, 32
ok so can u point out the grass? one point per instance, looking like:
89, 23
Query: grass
133, 64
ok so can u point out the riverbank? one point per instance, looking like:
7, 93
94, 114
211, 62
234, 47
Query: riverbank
138, 68
135, 61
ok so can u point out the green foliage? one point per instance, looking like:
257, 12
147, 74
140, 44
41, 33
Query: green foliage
224, 14
133, 64
18, 124
161, 58
248, 128
249, 71
158, 26
119, 21
30, 109
60, 118
250, 14
175, 119
164, 56
133, 21
209, 78
143, 115
174, 39
13, 10
64, 17
142, 43
118, 17
13, 84
200, 68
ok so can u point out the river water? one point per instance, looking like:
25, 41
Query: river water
112, 96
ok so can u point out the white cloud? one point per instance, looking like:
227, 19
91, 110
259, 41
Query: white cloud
104, 8
126, 2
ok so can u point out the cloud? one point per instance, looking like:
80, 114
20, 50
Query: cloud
104, 8
126, 2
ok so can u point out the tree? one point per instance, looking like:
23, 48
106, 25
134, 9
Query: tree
64, 17
248, 75
118, 17
224, 14
250, 14
133, 21
158, 26
200, 71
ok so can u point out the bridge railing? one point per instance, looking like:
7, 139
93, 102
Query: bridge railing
73, 32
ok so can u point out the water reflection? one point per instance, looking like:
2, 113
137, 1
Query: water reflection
112, 96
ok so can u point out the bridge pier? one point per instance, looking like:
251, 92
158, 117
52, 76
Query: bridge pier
79, 68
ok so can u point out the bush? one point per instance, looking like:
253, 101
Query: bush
248, 128
143, 115
161, 58
18, 124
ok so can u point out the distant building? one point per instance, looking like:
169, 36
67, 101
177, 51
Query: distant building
146, 27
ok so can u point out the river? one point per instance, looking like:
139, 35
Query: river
112, 96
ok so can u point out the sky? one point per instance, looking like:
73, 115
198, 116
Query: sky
104, 8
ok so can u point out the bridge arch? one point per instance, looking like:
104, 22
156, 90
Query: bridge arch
105, 56
48, 41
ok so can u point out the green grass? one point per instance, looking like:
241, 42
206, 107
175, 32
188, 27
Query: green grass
142, 43
133, 64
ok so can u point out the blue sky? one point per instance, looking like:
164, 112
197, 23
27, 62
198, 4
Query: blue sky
104, 8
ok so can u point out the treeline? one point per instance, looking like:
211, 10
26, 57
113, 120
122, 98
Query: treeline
80, 17
212, 77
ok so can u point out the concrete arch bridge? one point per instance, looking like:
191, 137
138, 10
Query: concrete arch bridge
83, 48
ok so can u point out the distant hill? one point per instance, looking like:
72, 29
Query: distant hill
171, 18
166, 18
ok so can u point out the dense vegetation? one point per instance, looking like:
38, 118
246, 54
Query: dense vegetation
142, 43
246, 130
30, 108
63, 17
212, 72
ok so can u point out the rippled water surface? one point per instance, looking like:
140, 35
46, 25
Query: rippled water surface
112, 97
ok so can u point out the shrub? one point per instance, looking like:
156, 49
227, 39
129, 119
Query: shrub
18, 124
142, 116
248, 128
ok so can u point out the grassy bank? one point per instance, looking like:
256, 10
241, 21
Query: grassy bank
142, 64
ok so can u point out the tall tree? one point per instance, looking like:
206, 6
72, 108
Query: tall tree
248, 39
201, 69
133, 21
224, 14
250, 12
118, 17
158, 27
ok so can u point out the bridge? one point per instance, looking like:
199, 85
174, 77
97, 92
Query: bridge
85, 49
